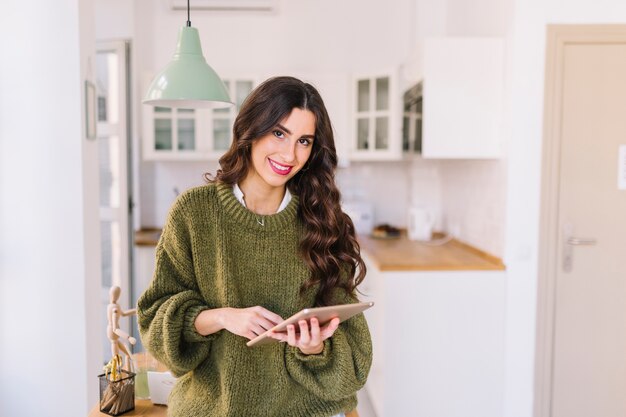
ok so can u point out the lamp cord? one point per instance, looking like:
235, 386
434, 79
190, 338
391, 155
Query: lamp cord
188, 17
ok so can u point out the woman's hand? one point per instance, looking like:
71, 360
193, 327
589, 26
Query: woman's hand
246, 322
310, 341
249, 322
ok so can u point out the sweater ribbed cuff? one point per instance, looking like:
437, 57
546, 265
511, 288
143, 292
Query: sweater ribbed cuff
189, 328
315, 361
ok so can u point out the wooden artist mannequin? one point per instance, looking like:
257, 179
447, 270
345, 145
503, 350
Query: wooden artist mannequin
114, 333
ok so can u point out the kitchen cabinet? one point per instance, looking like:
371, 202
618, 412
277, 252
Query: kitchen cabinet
192, 134
438, 341
463, 89
412, 107
376, 115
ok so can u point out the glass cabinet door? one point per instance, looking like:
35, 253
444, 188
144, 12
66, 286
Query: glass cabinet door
163, 135
373, 114
382, 120
186, 129
174, 129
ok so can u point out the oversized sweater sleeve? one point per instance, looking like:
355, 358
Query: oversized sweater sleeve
168, 308
341, 369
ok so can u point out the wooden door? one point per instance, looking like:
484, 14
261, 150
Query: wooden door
589, 227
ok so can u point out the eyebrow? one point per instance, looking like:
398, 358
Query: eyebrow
289, 132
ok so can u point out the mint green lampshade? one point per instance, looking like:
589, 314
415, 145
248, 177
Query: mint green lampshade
188, 81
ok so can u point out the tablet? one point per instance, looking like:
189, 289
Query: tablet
323, 314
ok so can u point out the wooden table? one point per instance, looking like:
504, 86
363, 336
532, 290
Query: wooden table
146, 408
142, 408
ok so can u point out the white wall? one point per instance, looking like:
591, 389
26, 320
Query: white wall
49, 253
302, 36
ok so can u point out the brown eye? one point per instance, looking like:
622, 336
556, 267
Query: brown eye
279, 134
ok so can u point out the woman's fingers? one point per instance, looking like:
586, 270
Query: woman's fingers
315, 332
291, 335
305, 337
257, 330
271, 316
328, 330
265, 323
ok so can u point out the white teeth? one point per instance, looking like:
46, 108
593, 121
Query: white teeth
282, 168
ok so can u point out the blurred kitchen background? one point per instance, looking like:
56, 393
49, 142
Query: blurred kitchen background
438, 110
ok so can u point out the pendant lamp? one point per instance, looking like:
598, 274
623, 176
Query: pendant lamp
188, 81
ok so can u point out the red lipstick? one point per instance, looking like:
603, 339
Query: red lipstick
276, 167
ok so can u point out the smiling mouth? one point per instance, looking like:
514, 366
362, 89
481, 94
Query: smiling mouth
280, 169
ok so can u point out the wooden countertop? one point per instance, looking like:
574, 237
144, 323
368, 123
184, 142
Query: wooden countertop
399, 254
403, 254
143, 408
147, 237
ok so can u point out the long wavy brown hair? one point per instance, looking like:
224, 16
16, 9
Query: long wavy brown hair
328, 245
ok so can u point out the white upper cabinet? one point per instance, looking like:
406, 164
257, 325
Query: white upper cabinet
376, 114
192, 134
463, 91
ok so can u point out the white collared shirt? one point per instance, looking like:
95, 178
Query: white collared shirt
239, 194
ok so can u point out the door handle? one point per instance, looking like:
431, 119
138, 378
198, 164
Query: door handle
577, 241
570, 241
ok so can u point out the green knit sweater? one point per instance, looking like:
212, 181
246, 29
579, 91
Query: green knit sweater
214, 253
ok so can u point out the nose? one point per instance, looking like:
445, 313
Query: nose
288, 152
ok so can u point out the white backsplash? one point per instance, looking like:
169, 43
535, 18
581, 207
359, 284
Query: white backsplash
467, 197
424, 189
473, 200
160, 181
384, 184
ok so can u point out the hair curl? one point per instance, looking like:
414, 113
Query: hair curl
328, 245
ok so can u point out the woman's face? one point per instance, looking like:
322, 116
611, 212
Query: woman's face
280, 154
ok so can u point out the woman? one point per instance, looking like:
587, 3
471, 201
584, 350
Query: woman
264, 239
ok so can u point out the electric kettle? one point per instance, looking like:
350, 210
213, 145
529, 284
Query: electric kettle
421, 223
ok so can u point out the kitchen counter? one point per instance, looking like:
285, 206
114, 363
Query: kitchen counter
402, 254
147, 236
399, 254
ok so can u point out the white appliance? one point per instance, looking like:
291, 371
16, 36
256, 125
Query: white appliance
421, 223
362, 215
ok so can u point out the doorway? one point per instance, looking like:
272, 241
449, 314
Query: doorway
113, 133
581, 339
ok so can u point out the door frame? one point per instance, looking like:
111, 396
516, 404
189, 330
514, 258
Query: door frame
558, 36
122, 48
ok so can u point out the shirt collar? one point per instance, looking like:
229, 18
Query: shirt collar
239, 194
